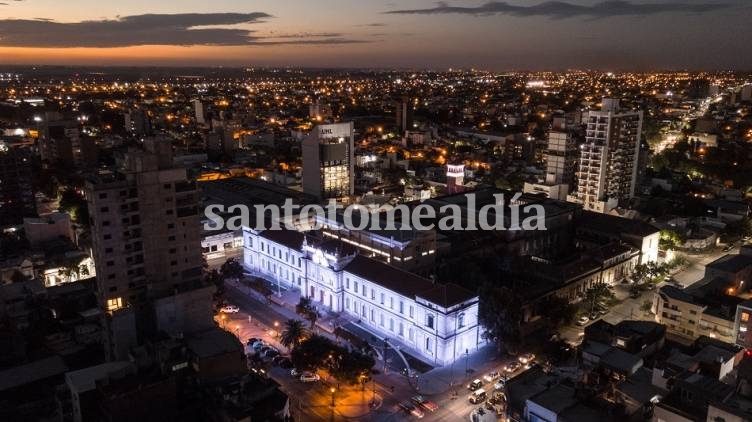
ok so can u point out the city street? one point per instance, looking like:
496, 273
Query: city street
629, 308
312, 401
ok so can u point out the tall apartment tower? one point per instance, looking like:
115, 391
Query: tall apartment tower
403, 114
61, 144
198, 108
329, 161
561, 155
607, 172
16, 194
145, 227
561, 163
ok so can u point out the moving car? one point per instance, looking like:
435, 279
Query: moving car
478, 396
476, 384
512, 366
309, 377
408, 407
424, 403
229, 309
526, 358
491, 376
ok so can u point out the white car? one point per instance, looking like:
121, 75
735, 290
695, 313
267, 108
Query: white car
491, 376
309, 377
582, 320
526, 358
229, 309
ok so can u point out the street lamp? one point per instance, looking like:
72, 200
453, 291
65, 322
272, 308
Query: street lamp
332, 390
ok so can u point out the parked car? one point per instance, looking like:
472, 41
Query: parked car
229, 309
425, 403
294, 372
474, 385
498, 397
258, 345
277, 359
582, 320
478, 396
512, 366
499, 385
526, 358
593, 315
491, 376
271, 353
285, 363
252, 340
309, 377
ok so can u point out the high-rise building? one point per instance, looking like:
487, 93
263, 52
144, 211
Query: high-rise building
329, 161
61, 143
561, 155
607, 172
198, 108
145, 227
561, 163
146, 238
403, 114
16, 194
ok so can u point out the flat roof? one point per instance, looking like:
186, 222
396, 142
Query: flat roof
32, 372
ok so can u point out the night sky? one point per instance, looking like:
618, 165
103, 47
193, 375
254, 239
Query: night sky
419, 34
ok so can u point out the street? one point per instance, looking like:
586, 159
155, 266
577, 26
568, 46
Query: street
313, 401
629, 308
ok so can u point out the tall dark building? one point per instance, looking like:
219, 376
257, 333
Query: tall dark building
146, 237
62, 144
403, 114
16, 194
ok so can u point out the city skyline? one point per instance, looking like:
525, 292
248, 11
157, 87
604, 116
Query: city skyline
519, 35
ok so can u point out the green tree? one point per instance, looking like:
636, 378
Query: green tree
312, 353
596, 293
231, 269
293, 333
307, 310
350, 366
75, 205
500, 312
670, 239
559, 311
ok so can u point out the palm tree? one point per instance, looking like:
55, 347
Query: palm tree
293, 333
306, 308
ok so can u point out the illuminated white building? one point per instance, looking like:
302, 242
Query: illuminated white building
437, 322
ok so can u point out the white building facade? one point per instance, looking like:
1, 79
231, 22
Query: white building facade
436, 322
